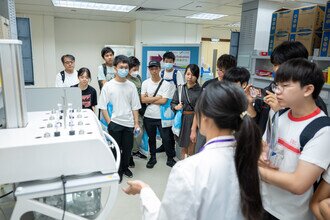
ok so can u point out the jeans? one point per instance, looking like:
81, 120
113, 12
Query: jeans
166, 134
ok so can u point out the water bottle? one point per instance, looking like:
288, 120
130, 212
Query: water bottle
137, 132
276, 157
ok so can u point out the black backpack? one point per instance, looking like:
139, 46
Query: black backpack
309, 131
63, 75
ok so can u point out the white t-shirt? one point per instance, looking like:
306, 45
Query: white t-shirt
179, 80
69, 80
110, 73
149, 87
326, 176
124, 99
204, 186
281, 203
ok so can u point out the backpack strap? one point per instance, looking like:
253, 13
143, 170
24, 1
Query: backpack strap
104, 69
311, 129
63, 75
173, 79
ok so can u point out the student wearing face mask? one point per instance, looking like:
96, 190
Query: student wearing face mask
123, 96
175, 78
134, 77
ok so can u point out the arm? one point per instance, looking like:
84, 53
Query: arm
176, 197
148, 100
193, 133
297, 182
322, 193
136, 119
160, 101
106, 116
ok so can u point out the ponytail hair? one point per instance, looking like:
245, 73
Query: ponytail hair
224, 103
248, 149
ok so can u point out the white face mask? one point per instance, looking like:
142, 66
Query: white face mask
134, 73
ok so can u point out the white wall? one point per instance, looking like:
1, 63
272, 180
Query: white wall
85, 40
152, 32
53, 37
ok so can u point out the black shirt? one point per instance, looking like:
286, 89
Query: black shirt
89, 98
208, 82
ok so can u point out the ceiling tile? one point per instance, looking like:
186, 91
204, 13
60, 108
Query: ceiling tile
168, 4
227, 10
200, 6
179, 13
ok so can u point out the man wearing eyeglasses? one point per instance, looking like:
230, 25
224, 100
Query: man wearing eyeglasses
69, 76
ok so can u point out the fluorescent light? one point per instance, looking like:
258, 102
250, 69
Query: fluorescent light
92, 5
215, 39
206, 16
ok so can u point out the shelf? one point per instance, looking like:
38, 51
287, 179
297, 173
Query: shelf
323, 59
326, 86
266, 78
261, 57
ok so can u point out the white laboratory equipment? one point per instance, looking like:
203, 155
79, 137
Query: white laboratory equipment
60, 162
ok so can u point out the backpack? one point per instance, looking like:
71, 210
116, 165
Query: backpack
173, 79
104, 69
309, 131
62, 75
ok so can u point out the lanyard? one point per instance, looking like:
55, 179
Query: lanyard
216, 141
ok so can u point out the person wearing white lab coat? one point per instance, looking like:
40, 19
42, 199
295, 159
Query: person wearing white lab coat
221, 181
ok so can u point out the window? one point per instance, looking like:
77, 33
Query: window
24, 34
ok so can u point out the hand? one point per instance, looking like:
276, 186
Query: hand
271, 100
136, 127
248, 94
263, 161
193, 136
134, 187
179, 106
146, 94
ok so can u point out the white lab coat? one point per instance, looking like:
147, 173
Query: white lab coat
204, 186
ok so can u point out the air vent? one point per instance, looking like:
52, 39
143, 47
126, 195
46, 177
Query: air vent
149, 9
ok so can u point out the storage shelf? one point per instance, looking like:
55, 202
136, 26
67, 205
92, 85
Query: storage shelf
261, 57
324, 59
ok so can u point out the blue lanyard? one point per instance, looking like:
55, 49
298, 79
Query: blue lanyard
216, 141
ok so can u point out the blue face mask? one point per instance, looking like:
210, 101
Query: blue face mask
122, 73
168, 66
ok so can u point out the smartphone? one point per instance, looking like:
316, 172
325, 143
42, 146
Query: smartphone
258, 93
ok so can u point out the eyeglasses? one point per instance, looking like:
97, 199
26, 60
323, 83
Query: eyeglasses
277, 88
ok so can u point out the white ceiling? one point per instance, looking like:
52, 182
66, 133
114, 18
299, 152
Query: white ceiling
175, 10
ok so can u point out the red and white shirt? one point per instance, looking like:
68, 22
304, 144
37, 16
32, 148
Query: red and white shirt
281, 203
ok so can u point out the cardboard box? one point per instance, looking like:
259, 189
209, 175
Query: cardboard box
326, 23
310, 40
308, 19
325, 49
281, 22
4, 28
275, 40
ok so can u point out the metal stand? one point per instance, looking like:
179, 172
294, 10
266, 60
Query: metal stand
27, 193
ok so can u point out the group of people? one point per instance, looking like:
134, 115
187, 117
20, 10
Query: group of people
233, 176
227, 171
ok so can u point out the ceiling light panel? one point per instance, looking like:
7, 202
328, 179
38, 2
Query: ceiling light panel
93, 5
206, 16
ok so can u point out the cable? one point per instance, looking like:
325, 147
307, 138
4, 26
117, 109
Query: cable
64, 194
6, 194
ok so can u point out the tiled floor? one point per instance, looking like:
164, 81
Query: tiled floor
128, 207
